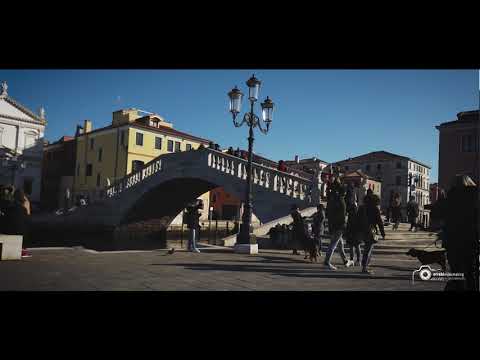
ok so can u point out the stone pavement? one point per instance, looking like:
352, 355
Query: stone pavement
216, 268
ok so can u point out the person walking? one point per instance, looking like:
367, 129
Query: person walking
16, 218
336, 212
412, 213
461, 228
5, 203
395, 209
299, 237
192, 220
351, 235
390, 205
369, 218
318, 226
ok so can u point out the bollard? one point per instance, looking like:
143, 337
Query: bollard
216, 229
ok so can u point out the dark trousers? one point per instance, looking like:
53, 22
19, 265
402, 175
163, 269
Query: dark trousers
367, 254
413, 223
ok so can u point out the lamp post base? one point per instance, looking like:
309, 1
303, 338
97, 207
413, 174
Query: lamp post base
250, 249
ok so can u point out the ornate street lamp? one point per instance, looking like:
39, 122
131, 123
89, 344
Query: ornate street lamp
246, 242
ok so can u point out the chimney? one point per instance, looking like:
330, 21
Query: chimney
297, 160
87, 126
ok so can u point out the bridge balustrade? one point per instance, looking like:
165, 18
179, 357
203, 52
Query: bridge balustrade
297, 186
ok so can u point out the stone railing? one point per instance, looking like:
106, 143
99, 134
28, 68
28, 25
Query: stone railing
134, 178
291, 185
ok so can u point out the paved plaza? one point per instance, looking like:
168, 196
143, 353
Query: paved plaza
216, 268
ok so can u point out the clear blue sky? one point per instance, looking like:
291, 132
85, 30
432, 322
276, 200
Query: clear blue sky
331, 114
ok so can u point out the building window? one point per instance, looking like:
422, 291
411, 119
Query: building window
468, 143
136, 165
100, 154
170, 145
98, 179
367, 168
89, 170
379, 166
177, 146
139, 139
122, 137
92, 143
399, 180
189, 147
399, 165
28, 186
158, 143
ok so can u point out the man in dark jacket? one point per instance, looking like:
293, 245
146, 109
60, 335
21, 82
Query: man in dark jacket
192, 219
336, 212
318, 225
412, 213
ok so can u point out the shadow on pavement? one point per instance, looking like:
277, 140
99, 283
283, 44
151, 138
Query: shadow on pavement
291, 272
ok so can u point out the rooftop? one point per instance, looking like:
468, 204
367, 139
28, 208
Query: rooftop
379, 156
463, 118
307, 160
159, 129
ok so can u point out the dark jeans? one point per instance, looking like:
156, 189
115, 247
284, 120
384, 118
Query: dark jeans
367, 254
355, 249
336, 239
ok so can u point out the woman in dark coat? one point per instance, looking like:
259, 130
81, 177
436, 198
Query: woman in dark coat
299, 237
396, 210
368, 219
16, 218
318, 225
16, 215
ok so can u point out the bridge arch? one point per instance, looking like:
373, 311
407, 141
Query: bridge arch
166, 184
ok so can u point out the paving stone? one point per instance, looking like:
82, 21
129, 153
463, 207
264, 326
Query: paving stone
67, 269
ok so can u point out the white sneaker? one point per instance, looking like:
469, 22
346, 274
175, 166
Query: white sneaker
196, 250
349, 263
331, 267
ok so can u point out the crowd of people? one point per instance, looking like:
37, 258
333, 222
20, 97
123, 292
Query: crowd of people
15, 210
455, 213
345, 218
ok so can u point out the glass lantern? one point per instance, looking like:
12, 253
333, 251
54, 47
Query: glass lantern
235, 100
253, 88
267, 110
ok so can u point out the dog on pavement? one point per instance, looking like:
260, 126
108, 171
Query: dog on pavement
429, 257
311, 249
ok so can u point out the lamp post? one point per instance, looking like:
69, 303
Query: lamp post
246, 242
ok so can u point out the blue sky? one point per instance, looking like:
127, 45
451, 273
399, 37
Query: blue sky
331, 114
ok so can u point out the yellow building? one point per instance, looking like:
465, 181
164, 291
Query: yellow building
108, 154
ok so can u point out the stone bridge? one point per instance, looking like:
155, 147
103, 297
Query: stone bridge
165, 185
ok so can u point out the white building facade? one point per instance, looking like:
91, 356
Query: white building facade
21, 145
394, 172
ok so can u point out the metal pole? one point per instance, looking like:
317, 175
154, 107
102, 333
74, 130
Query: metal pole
209, 226
244, 236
